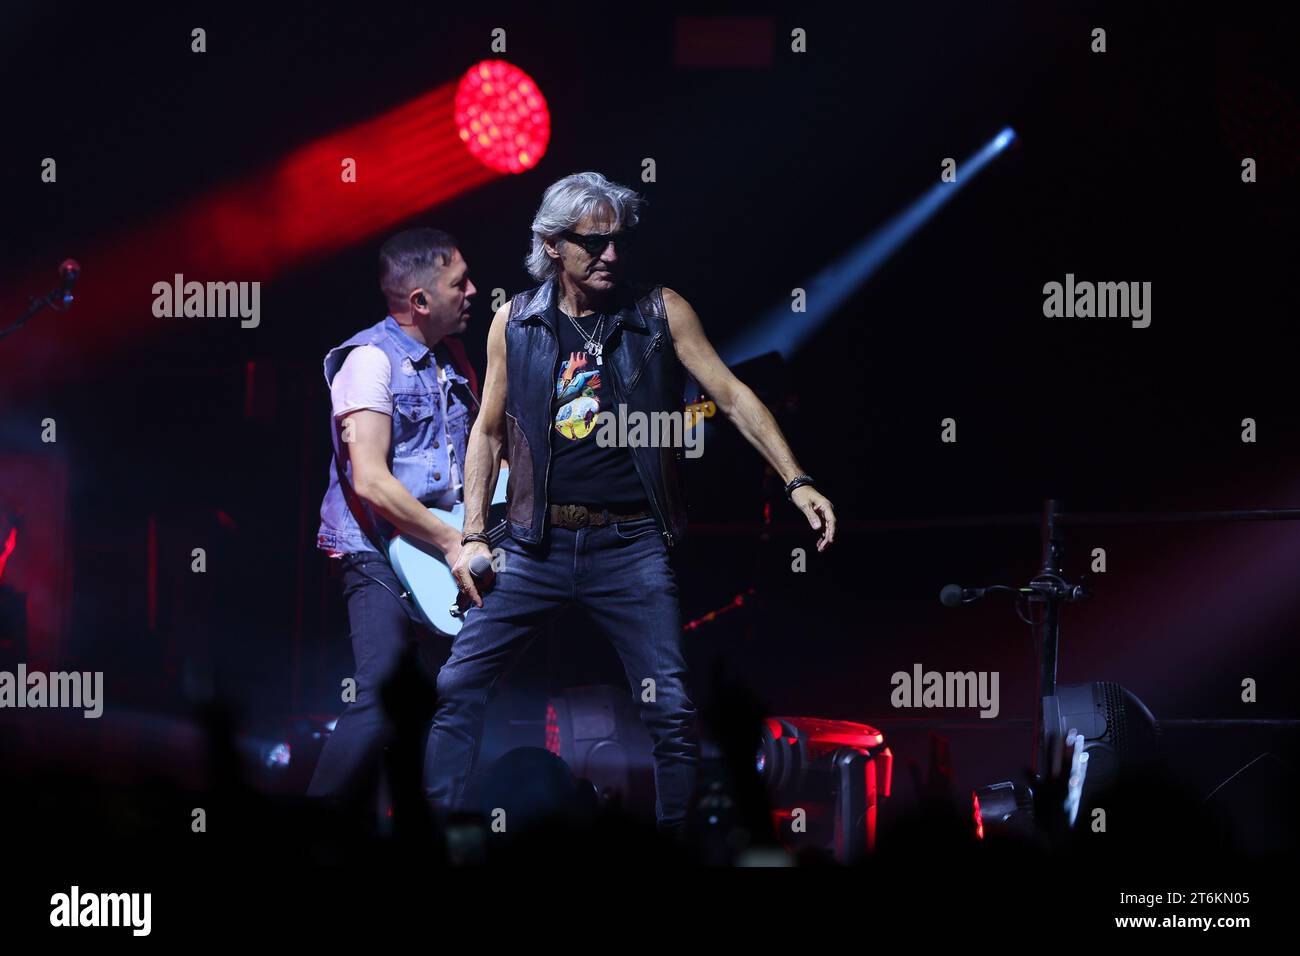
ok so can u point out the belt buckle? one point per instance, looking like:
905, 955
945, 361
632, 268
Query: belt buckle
574, 516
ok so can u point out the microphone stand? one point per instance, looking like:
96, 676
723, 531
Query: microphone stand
1050, 590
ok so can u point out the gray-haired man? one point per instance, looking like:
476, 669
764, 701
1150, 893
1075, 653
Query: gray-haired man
589, 525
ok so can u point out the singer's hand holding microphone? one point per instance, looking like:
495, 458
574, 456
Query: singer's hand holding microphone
473, 573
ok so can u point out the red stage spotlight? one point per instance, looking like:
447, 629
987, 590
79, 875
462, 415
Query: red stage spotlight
501, 117
836, 771
340, 189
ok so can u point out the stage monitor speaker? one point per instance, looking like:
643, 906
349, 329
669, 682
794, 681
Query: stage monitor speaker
1119, 732
597, 731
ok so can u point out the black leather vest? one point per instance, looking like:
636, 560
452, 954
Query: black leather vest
645, 375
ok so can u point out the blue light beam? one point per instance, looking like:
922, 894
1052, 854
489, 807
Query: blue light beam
784, 331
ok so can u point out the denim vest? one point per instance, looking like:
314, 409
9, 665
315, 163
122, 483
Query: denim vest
417, 454
644, 374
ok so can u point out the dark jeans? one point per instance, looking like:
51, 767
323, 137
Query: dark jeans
621, 575
381, 626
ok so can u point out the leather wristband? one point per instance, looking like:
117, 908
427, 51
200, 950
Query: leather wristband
798, 481
474, 536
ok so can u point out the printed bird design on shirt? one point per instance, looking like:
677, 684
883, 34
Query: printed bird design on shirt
575, 390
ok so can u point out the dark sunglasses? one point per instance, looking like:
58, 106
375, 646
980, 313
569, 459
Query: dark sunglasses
594, 243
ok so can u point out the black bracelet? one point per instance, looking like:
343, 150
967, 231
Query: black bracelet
798, 481
475, 536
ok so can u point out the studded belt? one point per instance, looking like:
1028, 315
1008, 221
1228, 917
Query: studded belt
582, 516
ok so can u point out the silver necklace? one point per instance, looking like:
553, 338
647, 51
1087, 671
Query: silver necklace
593, 344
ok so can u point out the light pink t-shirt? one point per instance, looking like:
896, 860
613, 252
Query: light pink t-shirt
363, 382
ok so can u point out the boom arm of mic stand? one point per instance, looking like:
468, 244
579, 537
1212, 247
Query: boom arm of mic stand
34, 306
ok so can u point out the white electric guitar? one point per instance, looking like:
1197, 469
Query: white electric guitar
423, 571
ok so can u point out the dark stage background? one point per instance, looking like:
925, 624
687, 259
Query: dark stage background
186, 433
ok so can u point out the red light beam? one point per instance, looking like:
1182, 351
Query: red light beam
301, 209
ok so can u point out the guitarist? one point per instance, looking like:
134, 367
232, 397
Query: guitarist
589, 525
402, 394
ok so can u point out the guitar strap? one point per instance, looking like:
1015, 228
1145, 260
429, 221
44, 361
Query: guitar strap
372, 533
458, 357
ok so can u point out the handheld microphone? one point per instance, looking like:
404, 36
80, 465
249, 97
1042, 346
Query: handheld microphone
480, 569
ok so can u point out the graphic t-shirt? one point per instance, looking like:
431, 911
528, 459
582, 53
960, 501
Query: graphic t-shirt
582, 472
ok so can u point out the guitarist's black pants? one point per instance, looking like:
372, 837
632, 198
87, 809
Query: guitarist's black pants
622, 577
383, 627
